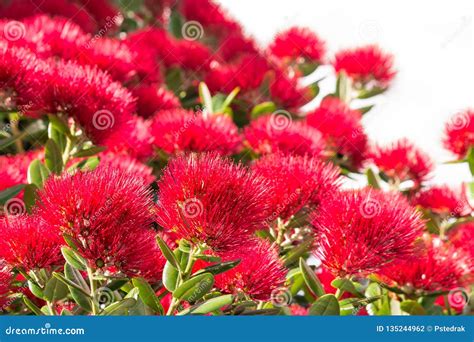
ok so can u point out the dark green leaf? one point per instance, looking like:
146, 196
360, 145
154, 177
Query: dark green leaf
311, 279
36, 310
167, 252
74, 259
29, 197
80, 290
263, 108
307, 68
219, 268
176, 24
37, 173
345, 285
119, 308
195, 288
148, 295
10, 192
365, 110
173, 80
213, 304
412, 307
35, 289
365, 94
55, 290
326, 305
58, 124
91, 151
372, 179
53, 157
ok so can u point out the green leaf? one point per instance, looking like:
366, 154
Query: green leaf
173, 79
147, 295
213, 304
195, 288
294, 254
365, 94
307, 68
175, 24
10, 192
208, 258
35, 289
29, 197
36, 310
205, 97
74, 259
470, 160
167, 252
326, 305
345, 285
311, 279
55, 290
80, 290
170, 277
228, 100
219, 268
412, 307
263, 108
380, 306
119, 308
91, 151
58, 124
365, 110
37, 173
344, 87
372, 179
53, 157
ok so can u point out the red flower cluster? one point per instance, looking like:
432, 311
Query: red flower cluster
444, 200
298, 43
203, 198
459, 133
403, 161
358, 232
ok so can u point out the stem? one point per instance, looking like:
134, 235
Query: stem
93, 290
50, 308
16, 132
448, 306
281, 228
183, 276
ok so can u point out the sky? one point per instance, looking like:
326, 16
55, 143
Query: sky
433, 44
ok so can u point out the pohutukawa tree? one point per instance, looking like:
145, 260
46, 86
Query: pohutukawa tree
161, 162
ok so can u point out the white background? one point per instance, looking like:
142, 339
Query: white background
434, 54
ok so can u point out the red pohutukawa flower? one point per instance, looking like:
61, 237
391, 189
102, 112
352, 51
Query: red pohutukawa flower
366, 65
182, 130
297, 182
259, 272
208, 199
108, 214
14, 168
126, 163
288, 92
359, 231
437, 267
278, 132
459, 133
403, 161
5, 280
27, 242
462, 237
152, 99
444, 200
298, 42
342, 130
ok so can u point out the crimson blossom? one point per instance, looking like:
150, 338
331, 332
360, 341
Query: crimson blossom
298, 42
444, 200
259, 272
403, 161
27, 242
181, 130
342, 130
359, 231
297, 182
459, 133
207, 199
437, 267
108, 214
278, 132
366, 64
